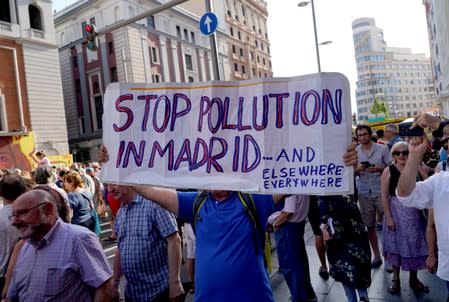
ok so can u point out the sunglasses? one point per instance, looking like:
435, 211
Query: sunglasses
397, 153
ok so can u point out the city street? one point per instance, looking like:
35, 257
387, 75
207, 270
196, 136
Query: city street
327, 291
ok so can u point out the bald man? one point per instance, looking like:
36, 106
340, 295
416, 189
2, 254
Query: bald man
59, 261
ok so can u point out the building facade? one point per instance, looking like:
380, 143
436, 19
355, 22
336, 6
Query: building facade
395, 76
166, 47
31, 102
248, 43
437, 12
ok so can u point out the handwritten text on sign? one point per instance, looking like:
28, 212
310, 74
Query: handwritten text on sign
284, 135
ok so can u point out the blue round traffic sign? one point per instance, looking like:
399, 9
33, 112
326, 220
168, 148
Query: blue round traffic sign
208, 23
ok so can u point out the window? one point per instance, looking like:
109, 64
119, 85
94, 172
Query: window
75, 61
192, 36
189, 65
98, 101
154, 55
5, 12
236, 67
233, 48
114, 76
243, 69
150, 22
241, 52
186, 35
232, 31
254, 71
191, 79
111, 47
156, 78
239, 35
251, 55
178, 32
35, 17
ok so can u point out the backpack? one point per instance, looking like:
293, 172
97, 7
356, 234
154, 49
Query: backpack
260, 234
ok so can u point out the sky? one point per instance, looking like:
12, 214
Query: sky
291, 34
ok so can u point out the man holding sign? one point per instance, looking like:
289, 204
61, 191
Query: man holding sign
272, 136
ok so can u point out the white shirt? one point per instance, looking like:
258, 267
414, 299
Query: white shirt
434, 193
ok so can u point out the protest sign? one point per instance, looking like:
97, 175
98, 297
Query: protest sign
273, 135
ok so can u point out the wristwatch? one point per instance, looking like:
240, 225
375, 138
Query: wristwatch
439, 132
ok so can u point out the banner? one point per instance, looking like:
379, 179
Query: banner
272, 135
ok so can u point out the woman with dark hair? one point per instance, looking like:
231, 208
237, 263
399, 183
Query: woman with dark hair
80, 200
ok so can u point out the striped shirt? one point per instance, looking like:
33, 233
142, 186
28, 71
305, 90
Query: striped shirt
142, 227
68, 264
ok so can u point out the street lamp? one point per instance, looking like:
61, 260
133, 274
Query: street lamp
302, 4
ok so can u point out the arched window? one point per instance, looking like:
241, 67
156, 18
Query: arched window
35, 17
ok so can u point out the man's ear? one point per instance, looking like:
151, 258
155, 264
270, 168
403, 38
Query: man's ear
49, 208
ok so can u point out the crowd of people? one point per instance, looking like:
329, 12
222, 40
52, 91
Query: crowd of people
51, 251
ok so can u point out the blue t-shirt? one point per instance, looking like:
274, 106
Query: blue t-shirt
80, 205
227, 266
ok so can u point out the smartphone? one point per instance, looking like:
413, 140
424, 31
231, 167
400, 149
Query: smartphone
404, 129
366, 164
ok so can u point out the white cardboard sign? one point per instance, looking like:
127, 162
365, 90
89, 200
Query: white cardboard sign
272, 135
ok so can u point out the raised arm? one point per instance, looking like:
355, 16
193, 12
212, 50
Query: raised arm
407, 180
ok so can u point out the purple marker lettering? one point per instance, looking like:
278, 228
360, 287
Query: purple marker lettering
146, 113
264, 113
129, 113
175, 113
162, 128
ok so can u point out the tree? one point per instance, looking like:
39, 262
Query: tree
379, 107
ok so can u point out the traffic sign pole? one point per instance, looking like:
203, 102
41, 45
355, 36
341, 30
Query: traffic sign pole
213, 43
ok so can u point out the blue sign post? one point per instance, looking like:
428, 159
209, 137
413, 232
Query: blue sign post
208, 23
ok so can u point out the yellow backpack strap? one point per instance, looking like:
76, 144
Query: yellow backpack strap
197, 204
250, 207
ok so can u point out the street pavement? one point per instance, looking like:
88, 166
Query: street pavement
327, 291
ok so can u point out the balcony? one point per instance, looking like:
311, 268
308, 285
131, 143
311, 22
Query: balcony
5, 26
36, 33
9, 29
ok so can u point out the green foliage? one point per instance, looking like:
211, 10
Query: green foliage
379, 107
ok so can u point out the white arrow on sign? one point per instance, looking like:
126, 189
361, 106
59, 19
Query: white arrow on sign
207, 22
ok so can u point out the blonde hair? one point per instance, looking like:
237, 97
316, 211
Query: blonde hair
398, 145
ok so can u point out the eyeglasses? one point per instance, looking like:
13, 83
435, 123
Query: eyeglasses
25, 211
397, 153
